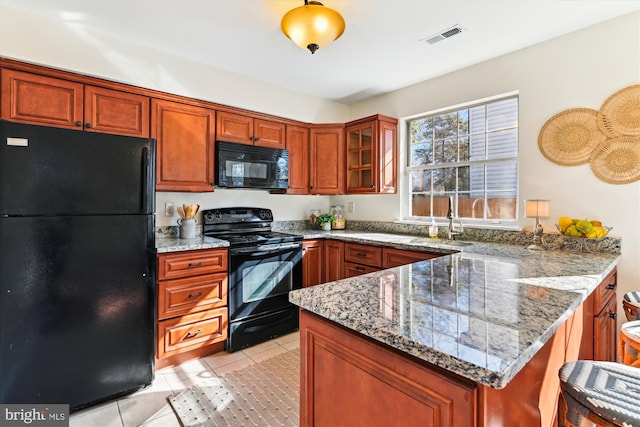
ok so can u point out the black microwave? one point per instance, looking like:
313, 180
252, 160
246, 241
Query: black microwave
248, 166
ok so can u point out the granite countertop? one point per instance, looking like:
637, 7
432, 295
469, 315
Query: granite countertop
175, 244
482, 312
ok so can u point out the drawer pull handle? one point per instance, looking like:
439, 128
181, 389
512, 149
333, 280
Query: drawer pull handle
192, 334
195, 264
612, 315
361, 254
198, 295
360, 268
611, 286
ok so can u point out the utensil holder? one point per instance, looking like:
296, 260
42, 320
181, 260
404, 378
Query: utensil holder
187, 227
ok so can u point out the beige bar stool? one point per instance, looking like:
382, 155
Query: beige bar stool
631, 304
629, 344
605, 393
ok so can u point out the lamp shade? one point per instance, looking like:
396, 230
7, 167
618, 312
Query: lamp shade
312, 26
537, 208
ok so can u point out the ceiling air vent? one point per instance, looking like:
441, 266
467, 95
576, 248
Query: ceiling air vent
449, 32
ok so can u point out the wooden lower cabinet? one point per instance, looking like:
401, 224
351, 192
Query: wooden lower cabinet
600, 322
348, 379
396, 257
312, 262
333, 260
340, 260
192, 305
352, 269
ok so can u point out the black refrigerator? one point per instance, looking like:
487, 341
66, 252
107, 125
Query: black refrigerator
77, 265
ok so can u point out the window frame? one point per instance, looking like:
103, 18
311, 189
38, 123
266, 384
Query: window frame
406, 185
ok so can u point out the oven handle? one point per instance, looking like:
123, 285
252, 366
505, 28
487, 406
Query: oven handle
266, 248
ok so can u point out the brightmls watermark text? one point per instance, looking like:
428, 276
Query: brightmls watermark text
34, 415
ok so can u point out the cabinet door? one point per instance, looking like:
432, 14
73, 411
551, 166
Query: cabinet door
40, 100
363, 254
361, 158
326, 160
333, 260
269, 134
371, 155
116, 112
387, 159
396, 257
185, 138
298, 146
234, 128
311, 263
604, 333
352, 270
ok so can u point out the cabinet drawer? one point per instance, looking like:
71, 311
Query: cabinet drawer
605, 290
396, 257
191, 332
352, 270
193, 263
183, 296
363, 254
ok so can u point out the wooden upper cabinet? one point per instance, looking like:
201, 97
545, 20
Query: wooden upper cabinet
113, 111
242, 129
298, 147
326, 159
185, 146
41, 100
269, 134
371, 155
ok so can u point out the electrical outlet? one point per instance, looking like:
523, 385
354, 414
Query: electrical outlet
169, 209
351, 207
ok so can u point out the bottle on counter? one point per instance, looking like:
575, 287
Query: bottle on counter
433, 228
339, 222
313, 216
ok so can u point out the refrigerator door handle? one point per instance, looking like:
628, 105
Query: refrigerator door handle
147, 182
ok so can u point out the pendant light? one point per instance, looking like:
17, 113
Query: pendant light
312, 26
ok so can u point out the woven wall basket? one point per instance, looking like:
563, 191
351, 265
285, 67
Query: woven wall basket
569, 137
620, 113
617, 160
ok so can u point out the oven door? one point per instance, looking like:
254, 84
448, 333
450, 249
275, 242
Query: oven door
261, 278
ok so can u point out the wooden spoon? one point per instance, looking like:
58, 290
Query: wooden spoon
181, 212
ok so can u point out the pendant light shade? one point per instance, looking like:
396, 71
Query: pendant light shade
312, 26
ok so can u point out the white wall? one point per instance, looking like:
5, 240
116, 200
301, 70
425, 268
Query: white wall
577, 70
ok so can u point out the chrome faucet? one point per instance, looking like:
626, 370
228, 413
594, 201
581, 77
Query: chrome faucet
452, 231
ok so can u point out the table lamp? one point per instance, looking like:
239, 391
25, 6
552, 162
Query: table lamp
537, 209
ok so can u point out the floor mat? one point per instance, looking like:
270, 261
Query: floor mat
263, 394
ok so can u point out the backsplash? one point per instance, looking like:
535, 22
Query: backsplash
552, 240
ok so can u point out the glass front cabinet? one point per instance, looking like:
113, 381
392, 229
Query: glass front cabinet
371, 155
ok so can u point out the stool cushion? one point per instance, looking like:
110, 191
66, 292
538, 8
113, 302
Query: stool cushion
632, 297
610, 390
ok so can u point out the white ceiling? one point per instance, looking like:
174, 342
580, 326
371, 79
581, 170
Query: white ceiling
380, 51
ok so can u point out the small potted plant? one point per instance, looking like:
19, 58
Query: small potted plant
324, 221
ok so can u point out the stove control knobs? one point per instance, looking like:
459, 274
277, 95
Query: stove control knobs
212, 216
265, 214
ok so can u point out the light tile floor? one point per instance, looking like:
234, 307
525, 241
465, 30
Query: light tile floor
150, 407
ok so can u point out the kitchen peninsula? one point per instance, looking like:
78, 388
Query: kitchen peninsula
474, 338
